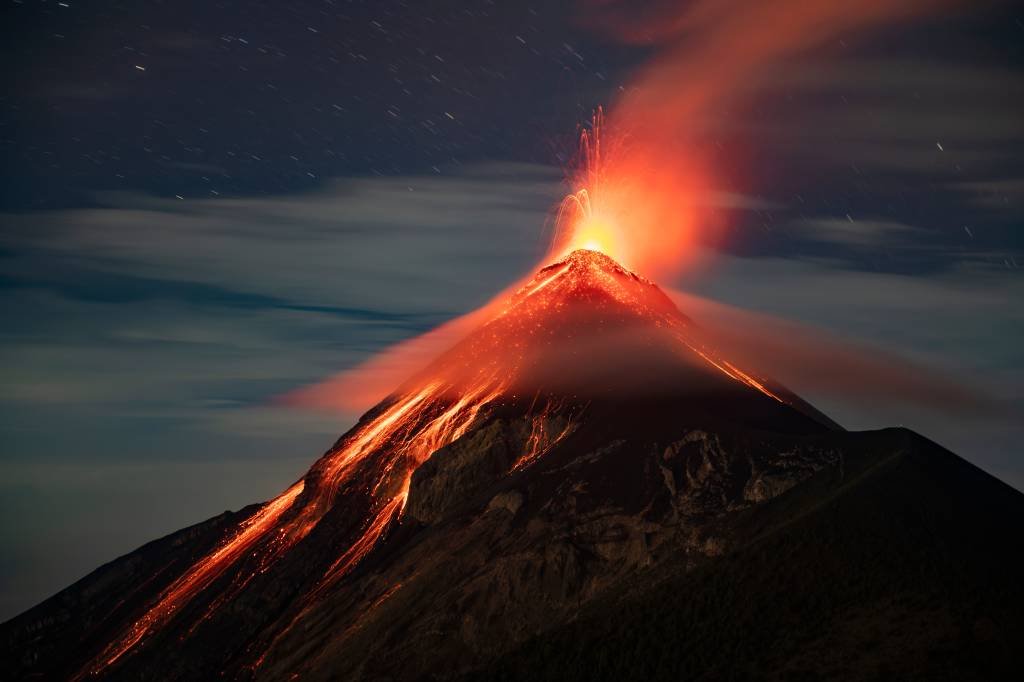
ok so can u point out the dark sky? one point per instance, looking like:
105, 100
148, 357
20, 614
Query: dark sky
206, 204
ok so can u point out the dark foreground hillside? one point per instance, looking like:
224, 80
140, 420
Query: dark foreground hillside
908, 565
854, 556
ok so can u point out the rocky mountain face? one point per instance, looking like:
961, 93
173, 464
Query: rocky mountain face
580, 489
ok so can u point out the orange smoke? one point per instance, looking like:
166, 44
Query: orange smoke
360, 388
635, 203
813, 361
710, 48
801, 357
641, 186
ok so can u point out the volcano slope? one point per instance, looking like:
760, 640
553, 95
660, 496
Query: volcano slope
579, 489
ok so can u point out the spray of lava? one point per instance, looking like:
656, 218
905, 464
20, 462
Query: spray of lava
638, 210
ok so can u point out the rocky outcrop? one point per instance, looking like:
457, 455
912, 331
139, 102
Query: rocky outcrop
461, 470
457, 473
706, 478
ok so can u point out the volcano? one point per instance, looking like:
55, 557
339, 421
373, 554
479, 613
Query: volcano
581, 488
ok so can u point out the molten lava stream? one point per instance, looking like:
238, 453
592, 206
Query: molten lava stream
356, 552
729, 369
540, 441
406, 433
200, 576
448, 426
361, 547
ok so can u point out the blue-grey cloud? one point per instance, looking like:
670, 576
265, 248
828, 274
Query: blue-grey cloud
145, 339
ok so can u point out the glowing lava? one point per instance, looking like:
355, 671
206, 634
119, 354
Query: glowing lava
635, 208
582, 223
401, 438
590, 231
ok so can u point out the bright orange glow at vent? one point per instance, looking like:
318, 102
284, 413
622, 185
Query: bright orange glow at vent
629, 204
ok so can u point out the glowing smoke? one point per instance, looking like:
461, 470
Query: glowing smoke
645, 170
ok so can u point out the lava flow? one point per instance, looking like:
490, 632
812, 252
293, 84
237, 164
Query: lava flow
402, 436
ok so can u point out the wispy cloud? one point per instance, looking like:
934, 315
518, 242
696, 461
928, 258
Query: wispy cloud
848, 232
204, 307
144, 339
356, 244
963, 324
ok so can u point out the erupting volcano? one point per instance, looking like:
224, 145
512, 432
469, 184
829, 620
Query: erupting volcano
584, 479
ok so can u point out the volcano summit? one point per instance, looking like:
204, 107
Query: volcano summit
581, 488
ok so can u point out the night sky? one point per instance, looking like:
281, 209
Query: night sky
208, 204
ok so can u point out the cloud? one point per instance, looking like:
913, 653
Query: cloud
921, 116
848, 232
999, 194
292, 249
196, 309
816, 362
143, 340
957, 330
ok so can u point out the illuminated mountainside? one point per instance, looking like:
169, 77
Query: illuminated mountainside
582, 448
586, 328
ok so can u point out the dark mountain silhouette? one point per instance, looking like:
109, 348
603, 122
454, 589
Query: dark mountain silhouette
579, 489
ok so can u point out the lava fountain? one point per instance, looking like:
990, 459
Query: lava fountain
638, 210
